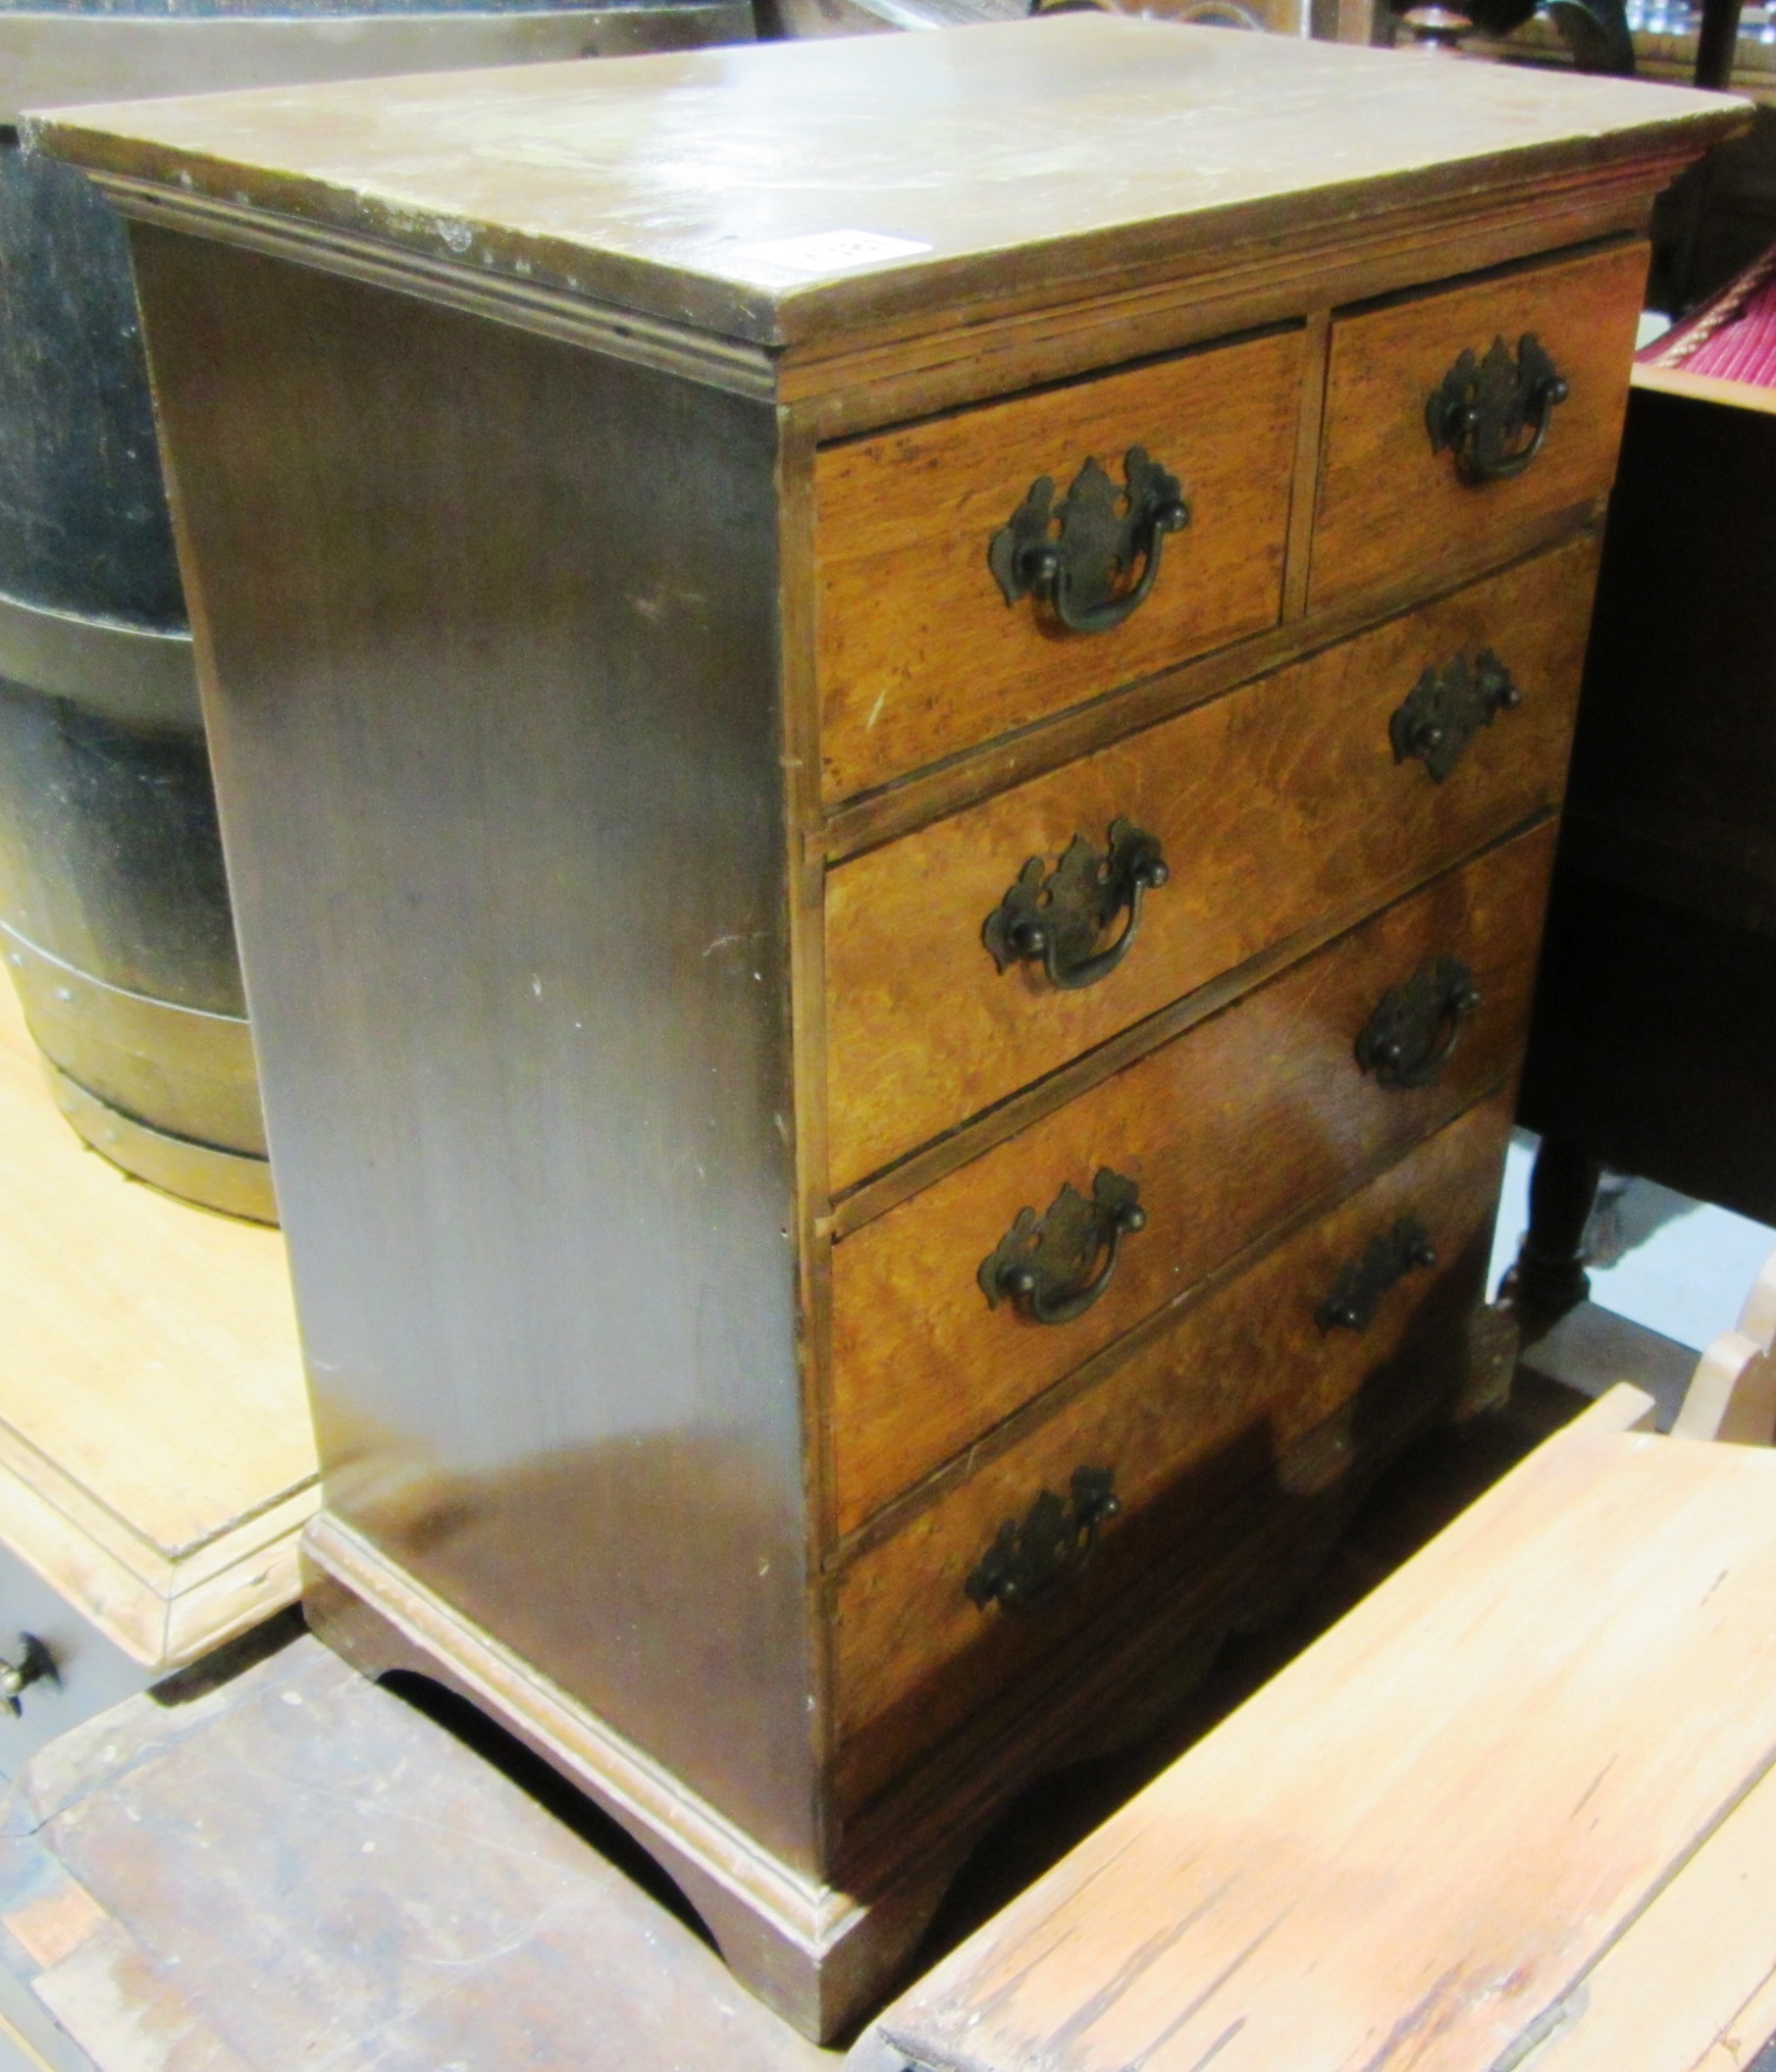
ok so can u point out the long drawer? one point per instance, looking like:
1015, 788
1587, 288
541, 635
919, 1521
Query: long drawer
1347, 1319
1320, 788
1279, 1099
928, 642
1403, 487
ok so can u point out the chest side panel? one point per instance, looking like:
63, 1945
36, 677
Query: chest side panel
489, 633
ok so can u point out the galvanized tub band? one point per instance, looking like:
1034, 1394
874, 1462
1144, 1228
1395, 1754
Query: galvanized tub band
115, 923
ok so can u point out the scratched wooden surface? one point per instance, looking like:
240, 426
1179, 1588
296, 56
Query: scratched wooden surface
669, 182
299, 1869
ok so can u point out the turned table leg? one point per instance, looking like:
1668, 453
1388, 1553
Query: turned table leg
1548, 1277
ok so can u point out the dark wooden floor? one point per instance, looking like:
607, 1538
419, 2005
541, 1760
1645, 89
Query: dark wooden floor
298, 1869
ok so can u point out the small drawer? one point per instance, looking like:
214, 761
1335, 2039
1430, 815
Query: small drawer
1344, 1331
1312, 792
921, 650
1283, 1098
1397, 502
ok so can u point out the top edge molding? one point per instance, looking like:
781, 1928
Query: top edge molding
782, 195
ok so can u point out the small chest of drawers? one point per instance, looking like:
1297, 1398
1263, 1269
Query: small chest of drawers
889, 718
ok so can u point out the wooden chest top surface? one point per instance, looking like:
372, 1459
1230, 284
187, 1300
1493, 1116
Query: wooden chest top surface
777, 192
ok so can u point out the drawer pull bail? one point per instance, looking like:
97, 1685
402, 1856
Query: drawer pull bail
1356, 1294
1043, 1265
1492, 414
1030, 1565
1078, 556
1059, 917
1447, 707
1414, 1030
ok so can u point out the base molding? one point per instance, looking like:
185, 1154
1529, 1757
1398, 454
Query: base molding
823, 1954
818, 1956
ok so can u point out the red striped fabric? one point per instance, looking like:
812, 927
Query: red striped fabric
1732, 337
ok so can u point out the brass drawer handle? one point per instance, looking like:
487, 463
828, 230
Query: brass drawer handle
1481, 409
1356, 1293
1028, 1565
1059, 916
1415, 1028
1447, 707
1043, 1264
1077, 555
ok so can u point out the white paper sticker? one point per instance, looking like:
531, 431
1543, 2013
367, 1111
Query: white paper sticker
831, 251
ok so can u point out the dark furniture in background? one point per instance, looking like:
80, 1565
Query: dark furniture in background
1654, 1048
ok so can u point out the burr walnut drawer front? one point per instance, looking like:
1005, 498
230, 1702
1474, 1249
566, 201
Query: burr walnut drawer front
1460, 422
1125, 1197
970, 958
979, 571
1356, 1317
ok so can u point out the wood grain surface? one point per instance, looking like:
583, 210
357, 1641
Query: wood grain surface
1275, 803
1011, 162
484, 398
1699, 1957
505, 820
303, 1869
1210, 1405
920, 654
1386, 500
1227, 1129
1413, 1847
156, 1454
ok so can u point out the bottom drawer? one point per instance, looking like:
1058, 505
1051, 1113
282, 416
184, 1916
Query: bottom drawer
1339, 1331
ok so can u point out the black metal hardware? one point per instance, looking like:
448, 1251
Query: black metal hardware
1356, 1294
1028, 1564
35, 1665
1447, 707
1043, 1264
1481, 409
1077, 556
1412, 1032
1059, 915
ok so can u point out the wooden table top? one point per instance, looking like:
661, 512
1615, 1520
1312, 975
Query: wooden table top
773, 192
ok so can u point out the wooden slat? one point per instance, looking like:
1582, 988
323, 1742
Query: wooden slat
1662, 1997
303, 1871
1413, 1845
1745, 2037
